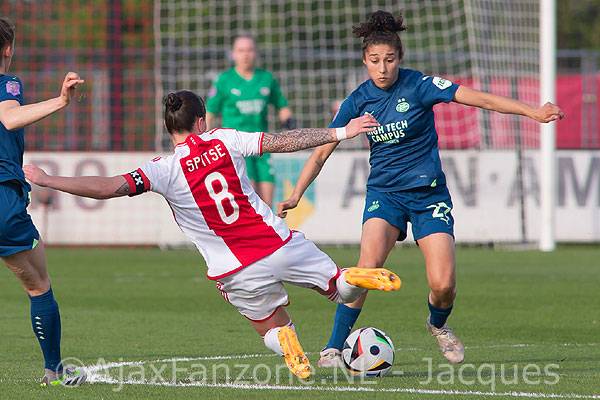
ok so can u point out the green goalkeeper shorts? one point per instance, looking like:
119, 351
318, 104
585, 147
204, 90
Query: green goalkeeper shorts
259, 169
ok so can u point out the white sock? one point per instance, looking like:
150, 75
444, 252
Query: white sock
348, 293
272, 340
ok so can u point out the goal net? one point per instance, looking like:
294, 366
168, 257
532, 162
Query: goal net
491, 45
487, 44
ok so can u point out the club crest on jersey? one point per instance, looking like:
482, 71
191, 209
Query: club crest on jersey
441, 83
402, 106
13, 88
236, 92
265, 91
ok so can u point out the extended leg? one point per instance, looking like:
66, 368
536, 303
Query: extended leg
30, 268
280, 336
438, 250
378, 239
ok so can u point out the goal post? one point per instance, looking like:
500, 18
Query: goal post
548, 131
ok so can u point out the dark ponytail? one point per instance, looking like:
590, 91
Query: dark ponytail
7, 33
381, 27
182, 110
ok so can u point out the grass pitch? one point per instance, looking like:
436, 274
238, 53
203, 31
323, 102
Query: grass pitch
530, 322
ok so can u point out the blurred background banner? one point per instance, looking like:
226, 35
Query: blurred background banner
132, 52
484, 189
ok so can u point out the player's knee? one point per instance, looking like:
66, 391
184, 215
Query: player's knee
371, 261
444, 291
36, 287
33, 282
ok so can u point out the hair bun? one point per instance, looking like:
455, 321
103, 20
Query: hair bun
379, 21
173, 102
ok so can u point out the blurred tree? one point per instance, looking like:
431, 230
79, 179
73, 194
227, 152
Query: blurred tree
578, 24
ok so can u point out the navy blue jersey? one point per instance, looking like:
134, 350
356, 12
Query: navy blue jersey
12, 143
404, 149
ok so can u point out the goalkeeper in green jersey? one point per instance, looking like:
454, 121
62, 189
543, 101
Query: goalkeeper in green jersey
241, 96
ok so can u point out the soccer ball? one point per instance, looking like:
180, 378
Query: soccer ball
368, 352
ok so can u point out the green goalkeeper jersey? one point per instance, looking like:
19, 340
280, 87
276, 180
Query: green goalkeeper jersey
244, 104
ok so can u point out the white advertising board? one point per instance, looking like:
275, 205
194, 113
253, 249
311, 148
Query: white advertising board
484, 188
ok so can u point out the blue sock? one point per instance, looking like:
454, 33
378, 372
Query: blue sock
345, 317
45, 320
438, 315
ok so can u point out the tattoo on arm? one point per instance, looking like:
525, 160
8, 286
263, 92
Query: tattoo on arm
123, 190
297, 139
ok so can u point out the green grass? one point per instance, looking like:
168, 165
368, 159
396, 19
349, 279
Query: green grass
145, 305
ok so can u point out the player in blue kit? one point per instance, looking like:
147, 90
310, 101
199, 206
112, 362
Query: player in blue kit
21, 248
406, 182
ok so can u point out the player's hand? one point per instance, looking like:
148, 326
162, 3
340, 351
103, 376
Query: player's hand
35, 175
548, 112
360, 125
288, 204
69, 85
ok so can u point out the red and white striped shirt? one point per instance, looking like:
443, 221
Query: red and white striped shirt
213, 202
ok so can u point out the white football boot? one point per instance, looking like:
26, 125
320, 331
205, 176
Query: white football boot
330, 358
450, 345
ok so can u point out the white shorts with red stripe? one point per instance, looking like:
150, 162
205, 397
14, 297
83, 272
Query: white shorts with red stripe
257, 291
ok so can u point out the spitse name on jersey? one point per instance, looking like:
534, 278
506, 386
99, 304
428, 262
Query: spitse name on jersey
206, 158
213, 202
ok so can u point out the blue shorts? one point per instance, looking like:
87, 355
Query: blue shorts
17, 232
428, 210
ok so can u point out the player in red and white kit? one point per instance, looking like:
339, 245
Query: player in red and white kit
249, 251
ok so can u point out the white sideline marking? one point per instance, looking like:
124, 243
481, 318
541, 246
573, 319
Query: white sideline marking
507, 345
245, 386
94, 368
102, 367
94, 377
494, 346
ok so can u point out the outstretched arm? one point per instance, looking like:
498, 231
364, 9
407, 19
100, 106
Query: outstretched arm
547, 113
310, 171
95, 187
297, 139
15, 116
300, 139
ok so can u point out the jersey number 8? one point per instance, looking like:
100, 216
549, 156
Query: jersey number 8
221, 196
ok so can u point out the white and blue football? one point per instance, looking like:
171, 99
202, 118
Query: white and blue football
368, 352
